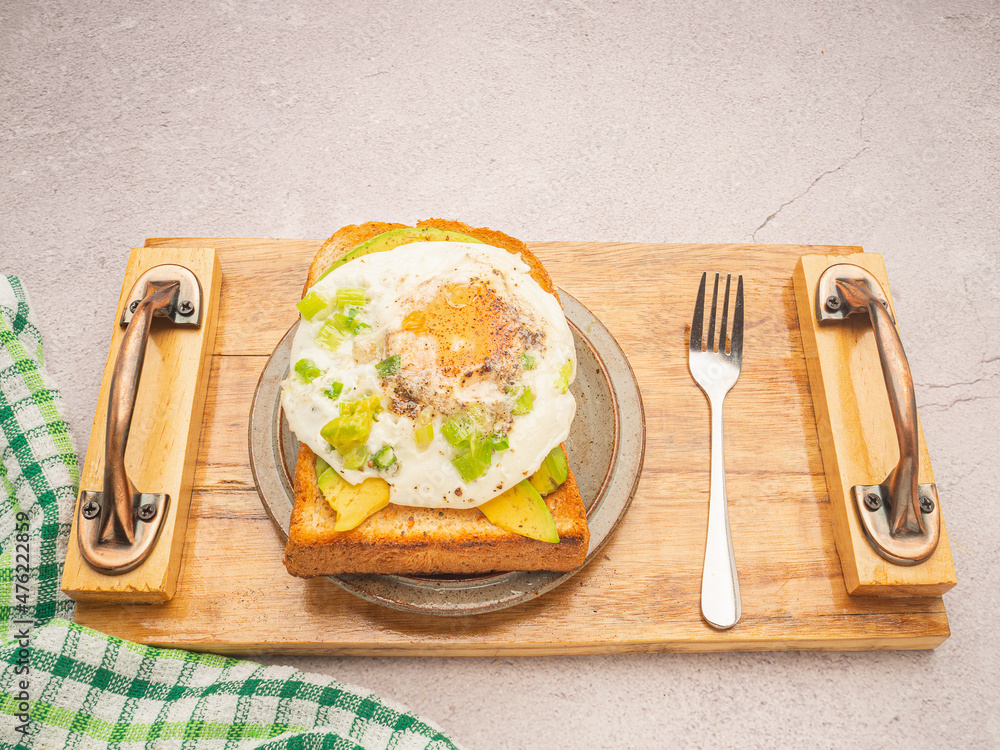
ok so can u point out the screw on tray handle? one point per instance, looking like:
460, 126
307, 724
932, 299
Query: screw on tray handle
899, 517
118, 526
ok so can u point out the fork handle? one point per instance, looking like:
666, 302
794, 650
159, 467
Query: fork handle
720, 585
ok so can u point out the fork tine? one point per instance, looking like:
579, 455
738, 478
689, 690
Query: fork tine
711, 321
699, 317
737, 345
725, 317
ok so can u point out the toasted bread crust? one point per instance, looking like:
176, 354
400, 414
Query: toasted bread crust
342, 241
407, 540
497, 239
347, 238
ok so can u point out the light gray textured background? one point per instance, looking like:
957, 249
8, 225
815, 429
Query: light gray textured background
768, 122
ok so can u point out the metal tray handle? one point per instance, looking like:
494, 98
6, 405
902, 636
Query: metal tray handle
900, 518
118, 526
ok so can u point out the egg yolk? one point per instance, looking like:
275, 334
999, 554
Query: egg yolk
474, 329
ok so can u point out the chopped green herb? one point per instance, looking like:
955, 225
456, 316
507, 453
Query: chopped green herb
562, 382
423, 430
524, 401
424, 434
337, 327
469, 465
462, 425
474, 462
330, 335
384, 458
307, 370
388, 366
527, 361
483, 449
334, 391
347, 323
499, 442
456, 431
349, 296
355, 458
310, 305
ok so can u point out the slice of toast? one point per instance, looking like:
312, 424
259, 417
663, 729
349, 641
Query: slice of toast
408, 540
405, 540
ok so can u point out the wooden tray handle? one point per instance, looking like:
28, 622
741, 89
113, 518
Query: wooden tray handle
900, 518
118, 526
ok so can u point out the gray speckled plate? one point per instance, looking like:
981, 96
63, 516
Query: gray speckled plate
606, 446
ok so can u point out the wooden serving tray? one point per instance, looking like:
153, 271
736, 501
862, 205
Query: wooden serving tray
641, 594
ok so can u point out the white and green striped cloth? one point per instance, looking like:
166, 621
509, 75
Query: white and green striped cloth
66, 686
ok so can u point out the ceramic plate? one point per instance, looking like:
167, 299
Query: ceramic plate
605, 446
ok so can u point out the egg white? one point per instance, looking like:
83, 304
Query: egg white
427, 478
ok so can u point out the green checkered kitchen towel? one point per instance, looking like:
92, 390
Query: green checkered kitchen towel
66, 686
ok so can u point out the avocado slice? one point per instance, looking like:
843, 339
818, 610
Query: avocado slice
552, 473
353, 503
396, 237
522, 510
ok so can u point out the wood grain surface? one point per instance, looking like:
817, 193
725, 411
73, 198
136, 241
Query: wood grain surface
641, 594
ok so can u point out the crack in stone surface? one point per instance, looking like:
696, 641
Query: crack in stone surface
864, 110
965, 383
811, 186
861, 137
938, 387
945, 406
981, 380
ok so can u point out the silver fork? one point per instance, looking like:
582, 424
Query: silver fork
716, 372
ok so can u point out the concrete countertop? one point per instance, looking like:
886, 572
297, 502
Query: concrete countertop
772, 122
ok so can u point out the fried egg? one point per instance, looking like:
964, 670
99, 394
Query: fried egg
450, 355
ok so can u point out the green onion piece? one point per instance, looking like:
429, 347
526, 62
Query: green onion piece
310, 305
424, 434
499, 442
334, 391
469, 465
353, 323
474, 462
462, 425
307, 370
562, 382
388, 366
336, 328
524, 401
330, 336
527, 361
350, 296
423, 430
355, 457
384, 458
344, 324
352, 427
483, 449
